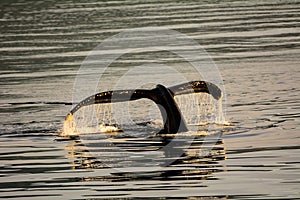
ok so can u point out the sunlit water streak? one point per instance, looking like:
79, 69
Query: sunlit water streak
256, 46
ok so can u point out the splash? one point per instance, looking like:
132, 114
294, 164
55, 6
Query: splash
201, 109
90, 119
195, 103
198, 109
140, 115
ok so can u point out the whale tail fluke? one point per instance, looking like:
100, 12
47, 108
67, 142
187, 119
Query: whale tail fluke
162, 96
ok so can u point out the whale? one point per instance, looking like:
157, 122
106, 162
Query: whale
162, 96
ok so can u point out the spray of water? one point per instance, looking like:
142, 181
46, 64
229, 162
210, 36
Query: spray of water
198, 109
90, 119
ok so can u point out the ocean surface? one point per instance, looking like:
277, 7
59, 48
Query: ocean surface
256, 155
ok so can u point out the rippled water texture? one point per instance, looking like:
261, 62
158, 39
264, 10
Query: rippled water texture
256, 47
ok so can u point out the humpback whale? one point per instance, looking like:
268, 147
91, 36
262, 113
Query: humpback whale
162, 96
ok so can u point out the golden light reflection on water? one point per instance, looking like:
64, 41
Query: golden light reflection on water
202, 157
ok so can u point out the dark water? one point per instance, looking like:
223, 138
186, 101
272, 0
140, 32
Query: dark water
256, 47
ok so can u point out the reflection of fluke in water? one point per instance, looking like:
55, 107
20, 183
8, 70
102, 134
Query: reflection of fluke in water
162, 96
